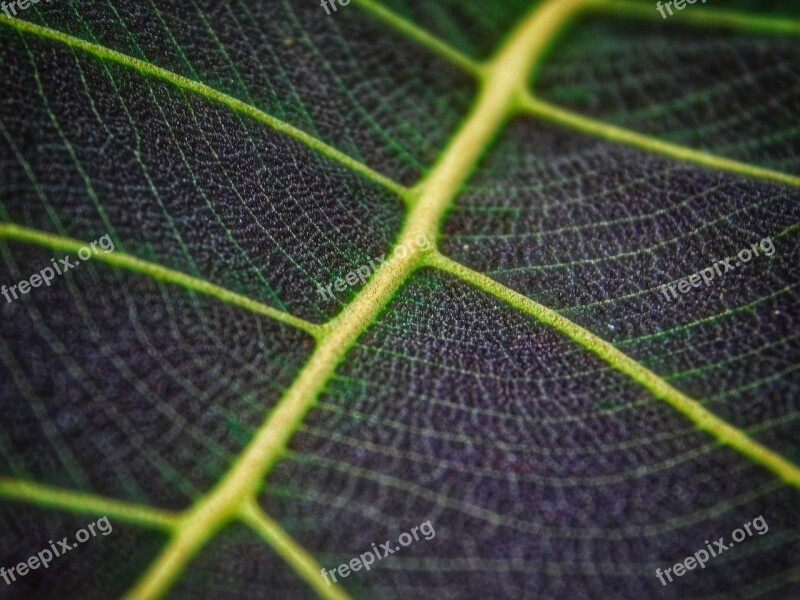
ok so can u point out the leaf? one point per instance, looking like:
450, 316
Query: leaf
725, 92
526, 385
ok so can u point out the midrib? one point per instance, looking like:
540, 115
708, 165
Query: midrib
502, 93
503, 82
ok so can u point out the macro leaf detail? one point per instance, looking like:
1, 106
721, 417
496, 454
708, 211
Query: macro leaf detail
523, 273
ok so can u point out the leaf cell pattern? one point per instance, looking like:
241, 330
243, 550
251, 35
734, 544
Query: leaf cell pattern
523, 384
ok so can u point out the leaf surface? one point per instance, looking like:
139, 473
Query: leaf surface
524, 384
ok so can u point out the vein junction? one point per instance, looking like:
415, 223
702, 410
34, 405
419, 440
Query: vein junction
503, 92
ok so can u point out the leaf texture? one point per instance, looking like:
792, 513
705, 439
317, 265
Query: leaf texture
73, 576
524, 384
551, 471
729, 93
560, 224
340, 80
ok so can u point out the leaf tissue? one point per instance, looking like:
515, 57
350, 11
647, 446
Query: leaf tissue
263, 384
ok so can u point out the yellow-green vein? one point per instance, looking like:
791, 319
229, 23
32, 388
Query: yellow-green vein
564, 117
503, 86
561, 116
157, 272
81, 502
703, 418
208, 92
422, 37
505, 80
707, 16
283, 544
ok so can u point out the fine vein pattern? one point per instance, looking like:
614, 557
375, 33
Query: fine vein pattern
554, 366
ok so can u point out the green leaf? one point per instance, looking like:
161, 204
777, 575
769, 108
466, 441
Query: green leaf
526, 383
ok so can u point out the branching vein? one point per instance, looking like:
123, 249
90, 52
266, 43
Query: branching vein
80, 502
504, 83
613, 133
301, 561
157, 272
703, 418
503, 93
208, 92
708, 17
422, 37
531, 104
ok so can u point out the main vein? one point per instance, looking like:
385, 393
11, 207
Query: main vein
583, 124
503, 91
504, 82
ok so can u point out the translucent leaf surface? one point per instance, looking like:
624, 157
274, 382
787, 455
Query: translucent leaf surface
517, 186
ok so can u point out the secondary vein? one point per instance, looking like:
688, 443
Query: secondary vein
208, 92
297, 557
708, 17
503, 90
703, 418
533, 105
505, 79
62, 498
155, 271
422, 37
613, 133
